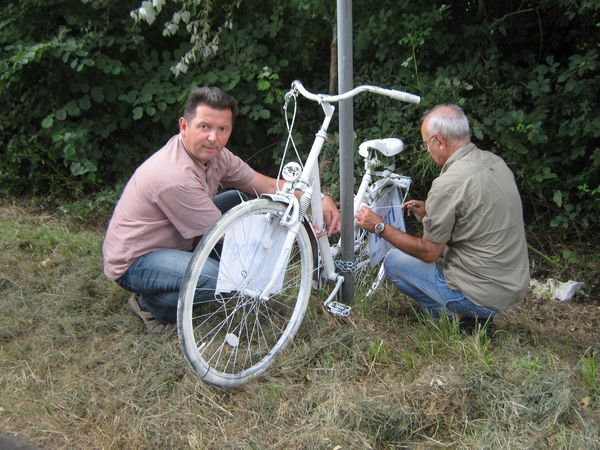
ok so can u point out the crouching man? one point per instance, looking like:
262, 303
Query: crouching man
172, 199
471, 261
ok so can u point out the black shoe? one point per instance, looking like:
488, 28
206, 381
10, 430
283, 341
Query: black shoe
470, 325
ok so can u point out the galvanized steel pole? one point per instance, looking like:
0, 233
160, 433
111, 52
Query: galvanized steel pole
346, 130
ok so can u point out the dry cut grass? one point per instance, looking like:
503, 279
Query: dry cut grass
77, 371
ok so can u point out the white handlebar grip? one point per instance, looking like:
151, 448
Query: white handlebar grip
403, 96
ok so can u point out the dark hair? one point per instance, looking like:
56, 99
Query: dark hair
210, 96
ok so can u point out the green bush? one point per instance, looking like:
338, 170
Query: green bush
87, 93
528, 77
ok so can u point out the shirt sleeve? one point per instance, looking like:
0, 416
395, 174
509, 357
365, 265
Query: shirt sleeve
237, 172
190, 209
440, 213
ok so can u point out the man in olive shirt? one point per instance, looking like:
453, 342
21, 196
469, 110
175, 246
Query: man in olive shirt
472, 258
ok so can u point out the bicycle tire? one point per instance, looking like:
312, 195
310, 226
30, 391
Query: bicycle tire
230, 337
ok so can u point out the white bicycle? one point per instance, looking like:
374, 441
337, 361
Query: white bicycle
269, 257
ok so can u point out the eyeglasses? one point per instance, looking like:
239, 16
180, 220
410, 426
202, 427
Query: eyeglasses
425, 144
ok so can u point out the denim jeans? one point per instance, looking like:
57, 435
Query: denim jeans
425, 283
157, 275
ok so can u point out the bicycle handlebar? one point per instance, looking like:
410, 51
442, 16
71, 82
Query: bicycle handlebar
392, 93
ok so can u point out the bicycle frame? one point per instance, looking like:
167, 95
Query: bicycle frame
308, 182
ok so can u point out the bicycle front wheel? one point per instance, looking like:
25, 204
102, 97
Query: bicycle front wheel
228, 333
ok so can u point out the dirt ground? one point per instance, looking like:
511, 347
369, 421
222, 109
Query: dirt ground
13, 441
574, 323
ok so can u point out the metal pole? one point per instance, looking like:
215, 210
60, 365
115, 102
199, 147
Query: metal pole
346, 129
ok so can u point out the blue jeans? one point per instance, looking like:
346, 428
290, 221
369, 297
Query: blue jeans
157, 275
425, 283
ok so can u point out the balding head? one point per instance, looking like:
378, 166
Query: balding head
445, 129
448, 120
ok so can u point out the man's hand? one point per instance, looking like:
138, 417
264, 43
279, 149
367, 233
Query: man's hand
419, 247
331, 215
367, 219
415, 208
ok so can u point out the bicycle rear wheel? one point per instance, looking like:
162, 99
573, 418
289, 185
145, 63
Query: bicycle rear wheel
227, 333
368, 274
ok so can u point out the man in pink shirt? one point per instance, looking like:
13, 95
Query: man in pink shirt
172, 200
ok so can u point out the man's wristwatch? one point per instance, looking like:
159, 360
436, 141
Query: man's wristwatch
379, 229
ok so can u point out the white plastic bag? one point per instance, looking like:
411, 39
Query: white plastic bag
553, 289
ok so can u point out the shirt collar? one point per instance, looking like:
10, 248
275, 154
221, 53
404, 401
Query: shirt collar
458, 154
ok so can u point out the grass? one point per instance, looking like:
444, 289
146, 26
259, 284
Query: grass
78, 371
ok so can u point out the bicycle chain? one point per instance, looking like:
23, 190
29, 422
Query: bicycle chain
346, 266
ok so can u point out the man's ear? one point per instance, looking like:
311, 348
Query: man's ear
182, 125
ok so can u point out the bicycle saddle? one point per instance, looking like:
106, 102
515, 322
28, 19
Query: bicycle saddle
386, 146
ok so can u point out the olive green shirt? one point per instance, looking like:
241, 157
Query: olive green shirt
474, 207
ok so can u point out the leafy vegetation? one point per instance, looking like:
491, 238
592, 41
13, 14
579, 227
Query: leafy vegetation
88, 92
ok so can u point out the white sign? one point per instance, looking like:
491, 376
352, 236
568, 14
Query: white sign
390, 208
251, 247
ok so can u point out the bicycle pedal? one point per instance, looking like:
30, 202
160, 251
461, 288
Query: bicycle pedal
338, 309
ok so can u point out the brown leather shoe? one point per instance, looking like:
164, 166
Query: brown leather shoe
152, 324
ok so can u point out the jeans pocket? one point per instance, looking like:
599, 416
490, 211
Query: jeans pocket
439, 275
447, 293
